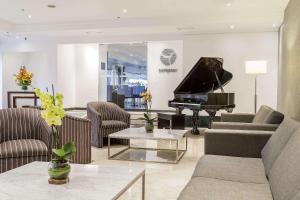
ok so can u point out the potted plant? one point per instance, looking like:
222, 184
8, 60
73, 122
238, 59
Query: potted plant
147, 100
53, 113
24, 78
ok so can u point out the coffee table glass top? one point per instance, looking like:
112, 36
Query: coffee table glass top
30, 182
158, 134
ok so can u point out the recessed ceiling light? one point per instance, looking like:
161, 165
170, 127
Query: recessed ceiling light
232, 27
29, 16
274, 25
51, 6
124, 10
228, 4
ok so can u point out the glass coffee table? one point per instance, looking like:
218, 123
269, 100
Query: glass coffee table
146, 154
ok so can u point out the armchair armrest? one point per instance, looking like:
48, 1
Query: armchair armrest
244, 126
240, 143
124, 116
77, 130
237, 117
45, 133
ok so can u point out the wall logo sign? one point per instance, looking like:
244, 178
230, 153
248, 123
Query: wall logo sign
168, 57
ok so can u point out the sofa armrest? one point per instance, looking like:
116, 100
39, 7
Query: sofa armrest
237, 117
244, 126
77, 130
240, 143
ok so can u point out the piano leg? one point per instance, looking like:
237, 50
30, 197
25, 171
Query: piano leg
195, 121
211, 117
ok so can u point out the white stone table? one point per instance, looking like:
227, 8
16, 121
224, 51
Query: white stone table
158, 135
87, 182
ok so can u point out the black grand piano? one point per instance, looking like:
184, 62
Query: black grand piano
196, 91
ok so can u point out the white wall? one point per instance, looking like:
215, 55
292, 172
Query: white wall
163, 84
87, 65
78, 73
36, 63
1, 81
66, 73
102, 73
40, 58
236, 49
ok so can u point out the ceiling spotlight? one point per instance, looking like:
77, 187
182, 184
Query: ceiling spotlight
232, 27
29, 16
51, 6
124, 10
228, 4
274, 25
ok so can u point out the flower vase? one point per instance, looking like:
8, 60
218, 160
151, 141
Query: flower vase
24, 87
59, 172
149, 127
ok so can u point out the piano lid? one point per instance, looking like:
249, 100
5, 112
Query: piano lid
202, 78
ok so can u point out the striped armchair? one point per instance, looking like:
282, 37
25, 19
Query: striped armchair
77, 130
24, 137
106, 118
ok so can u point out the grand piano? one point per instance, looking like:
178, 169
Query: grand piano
196, 91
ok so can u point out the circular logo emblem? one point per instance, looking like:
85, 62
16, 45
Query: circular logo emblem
168, 57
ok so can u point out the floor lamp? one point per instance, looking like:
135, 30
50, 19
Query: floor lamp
255, 67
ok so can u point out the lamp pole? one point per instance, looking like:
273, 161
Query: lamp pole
255, 94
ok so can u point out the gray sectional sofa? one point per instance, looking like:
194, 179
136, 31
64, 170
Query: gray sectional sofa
273, 174
265, 119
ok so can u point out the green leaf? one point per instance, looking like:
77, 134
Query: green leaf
146, 116
70, 148
60, 153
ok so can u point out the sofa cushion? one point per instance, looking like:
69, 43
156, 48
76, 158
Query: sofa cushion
113, 124
278, 140
274, 118
267, 115
23, 148
284, 176
248, 170
262, 114
208, 189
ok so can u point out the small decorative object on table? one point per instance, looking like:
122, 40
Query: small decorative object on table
147, 101
23, 78
53, 112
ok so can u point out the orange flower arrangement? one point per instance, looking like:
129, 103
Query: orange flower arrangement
24, 78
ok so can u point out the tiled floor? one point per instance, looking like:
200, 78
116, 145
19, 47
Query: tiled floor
163, 181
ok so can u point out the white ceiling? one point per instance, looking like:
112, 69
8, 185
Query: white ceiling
99, 17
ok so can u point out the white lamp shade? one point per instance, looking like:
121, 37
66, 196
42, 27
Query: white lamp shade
256, 67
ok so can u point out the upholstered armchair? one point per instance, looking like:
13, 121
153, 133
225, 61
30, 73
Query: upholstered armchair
24, 137
106, 118
266, 119
77, 130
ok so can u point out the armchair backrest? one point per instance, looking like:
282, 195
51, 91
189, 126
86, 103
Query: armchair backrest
107, 110
19, 123
267, 115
